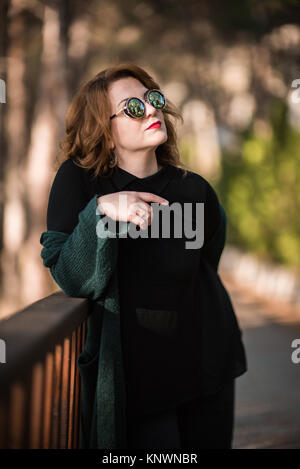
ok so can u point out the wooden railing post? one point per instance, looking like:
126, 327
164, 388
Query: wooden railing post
40, 383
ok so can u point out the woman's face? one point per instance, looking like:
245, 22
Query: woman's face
129, 134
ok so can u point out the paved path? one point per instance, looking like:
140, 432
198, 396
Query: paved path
267, 410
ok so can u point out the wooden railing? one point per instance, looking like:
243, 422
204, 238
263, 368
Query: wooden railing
40, 380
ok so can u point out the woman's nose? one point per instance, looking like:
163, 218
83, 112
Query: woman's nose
150, 110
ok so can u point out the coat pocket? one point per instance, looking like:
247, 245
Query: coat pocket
160, 321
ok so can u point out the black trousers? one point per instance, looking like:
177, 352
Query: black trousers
203, 423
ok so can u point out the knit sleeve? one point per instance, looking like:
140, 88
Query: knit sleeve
79, 249
215, 228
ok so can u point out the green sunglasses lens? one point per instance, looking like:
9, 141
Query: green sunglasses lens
136, 107
157, 99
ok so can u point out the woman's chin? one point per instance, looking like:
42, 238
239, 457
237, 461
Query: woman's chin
159, 137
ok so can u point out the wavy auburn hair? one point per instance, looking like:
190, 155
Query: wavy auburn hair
88, 124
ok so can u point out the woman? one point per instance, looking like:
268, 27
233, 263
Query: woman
163, 345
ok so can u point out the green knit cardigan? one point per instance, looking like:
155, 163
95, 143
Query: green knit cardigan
83, 264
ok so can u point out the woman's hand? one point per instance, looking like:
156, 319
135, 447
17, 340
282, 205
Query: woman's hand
130, 206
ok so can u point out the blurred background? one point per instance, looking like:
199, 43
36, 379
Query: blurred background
233, 69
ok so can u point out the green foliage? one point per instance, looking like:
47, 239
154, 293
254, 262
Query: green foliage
260, 189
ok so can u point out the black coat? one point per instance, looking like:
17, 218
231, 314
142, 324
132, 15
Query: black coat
180, 336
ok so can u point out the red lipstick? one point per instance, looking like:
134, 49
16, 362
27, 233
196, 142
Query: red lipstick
155, 125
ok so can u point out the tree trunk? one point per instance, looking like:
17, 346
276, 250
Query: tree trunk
27, 174
3, 76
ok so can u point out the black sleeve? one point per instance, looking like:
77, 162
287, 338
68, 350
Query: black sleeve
212, 215
214, 229
68, 196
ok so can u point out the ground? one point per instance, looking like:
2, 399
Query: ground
267, 408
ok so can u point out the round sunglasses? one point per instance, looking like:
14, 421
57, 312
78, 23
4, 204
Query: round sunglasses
135, 108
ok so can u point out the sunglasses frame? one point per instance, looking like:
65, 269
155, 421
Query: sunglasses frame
146, 99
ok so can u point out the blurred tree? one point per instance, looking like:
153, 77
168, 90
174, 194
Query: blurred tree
45, 132
15, 126
261, 190
37, 69
229, 69
3, 75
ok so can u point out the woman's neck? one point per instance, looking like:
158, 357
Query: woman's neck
139, 170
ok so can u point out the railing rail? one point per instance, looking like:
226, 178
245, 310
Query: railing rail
40, 381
